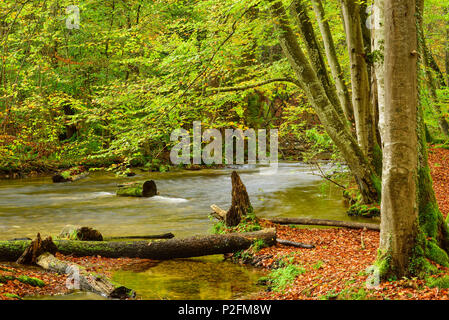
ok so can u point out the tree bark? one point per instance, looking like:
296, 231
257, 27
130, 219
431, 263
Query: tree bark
399, 220
363, 111
87, 281
159, 250
299, 11
168, 235
336, 127
378, 58
429, 64
69, 175
331, 54
295, 244
240, 205
328, 223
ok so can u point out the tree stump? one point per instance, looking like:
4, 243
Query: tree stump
240, 202
36, 248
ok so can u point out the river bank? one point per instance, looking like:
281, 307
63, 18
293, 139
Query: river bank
334, 269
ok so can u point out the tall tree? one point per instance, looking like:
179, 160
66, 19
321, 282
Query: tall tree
330, 118
412, 228
334, 64
363, 110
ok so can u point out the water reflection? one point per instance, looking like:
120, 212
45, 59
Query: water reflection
192, 279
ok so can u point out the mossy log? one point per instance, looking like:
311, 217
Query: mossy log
72, 174
138, 189
168, 235
84, 280
329, 223
71, 232
35, 282
158, 250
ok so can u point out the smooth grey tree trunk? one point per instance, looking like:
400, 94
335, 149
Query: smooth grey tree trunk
399, 220
335, 126
334, 64
363, 110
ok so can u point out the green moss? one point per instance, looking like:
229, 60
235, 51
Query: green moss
436, 254
24, 279
383, 265
377, 183
4, 279
6, 269
248, 223
362, 210
31, 281
442, 283
130, 192
12, 296
258, 245
377, 163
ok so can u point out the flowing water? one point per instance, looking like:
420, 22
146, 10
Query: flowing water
28, 206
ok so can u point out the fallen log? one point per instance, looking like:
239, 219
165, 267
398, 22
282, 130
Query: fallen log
71, 232
295, 244
70, 175
218, 212
159, 250
138, 189
329, 223
168, 235
84, 280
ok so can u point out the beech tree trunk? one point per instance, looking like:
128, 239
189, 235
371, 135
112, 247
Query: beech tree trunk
331, 54
378, 35
399, 226
363, 110
412, 227
300, 12
159, 250
336, 127
433, 85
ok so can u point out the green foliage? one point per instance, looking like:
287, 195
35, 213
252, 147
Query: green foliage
440, 282
248, 223
284, 276
13, 296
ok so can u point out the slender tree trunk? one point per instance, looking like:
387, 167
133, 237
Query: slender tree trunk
299, 11
331, 54
335, 126
378, 57
363, 111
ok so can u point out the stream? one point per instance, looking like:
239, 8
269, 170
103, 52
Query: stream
32, 205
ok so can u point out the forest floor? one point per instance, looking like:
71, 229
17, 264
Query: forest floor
334, 269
